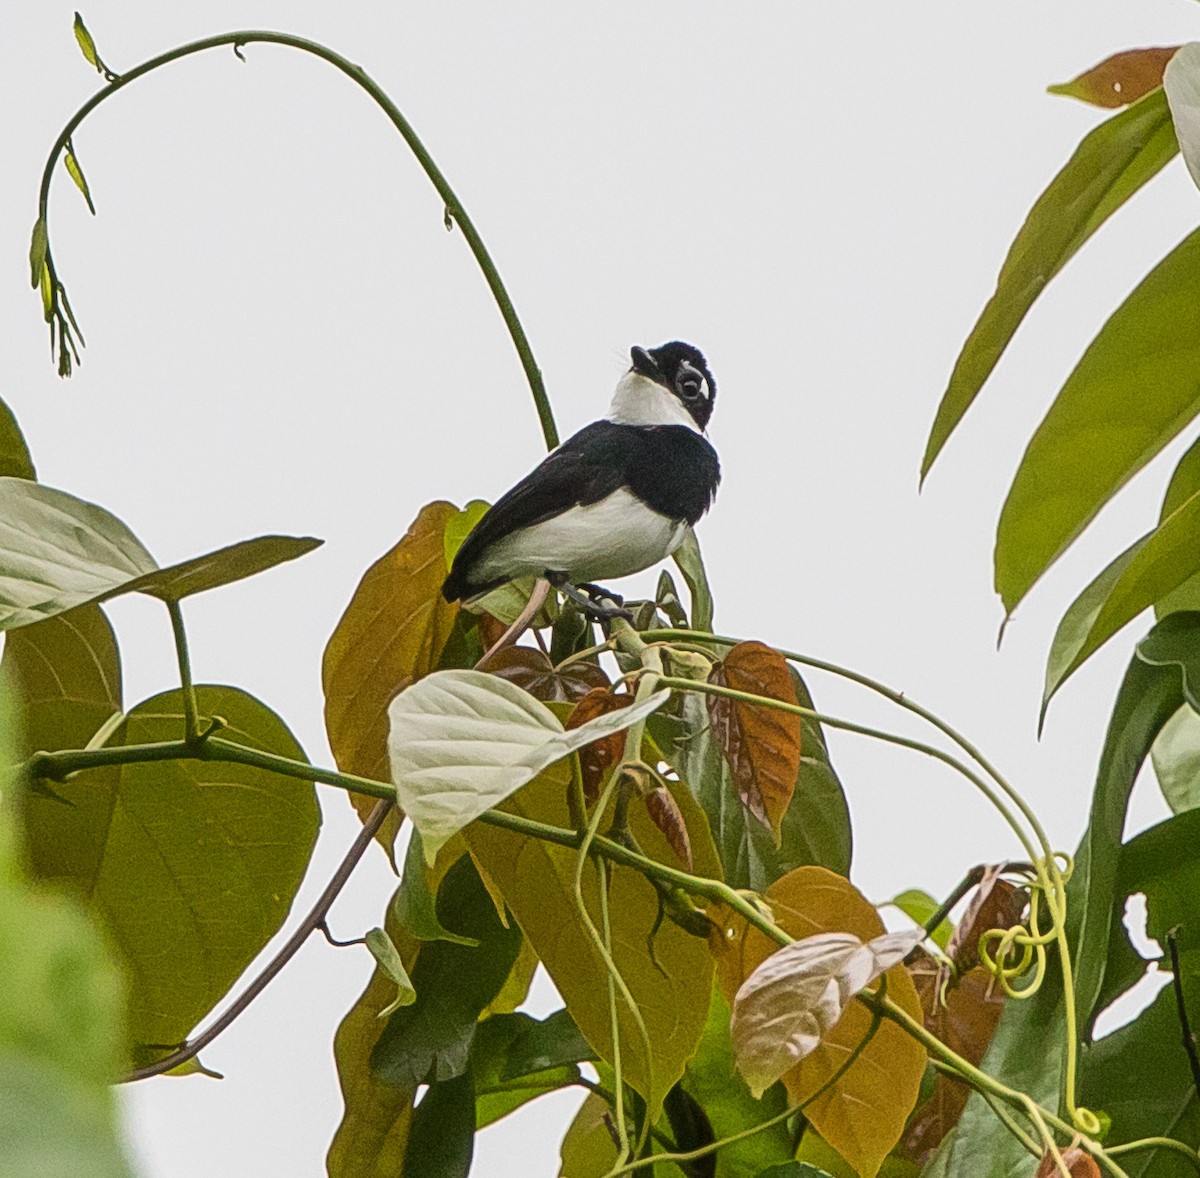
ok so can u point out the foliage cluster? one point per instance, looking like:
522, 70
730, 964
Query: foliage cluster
649, 812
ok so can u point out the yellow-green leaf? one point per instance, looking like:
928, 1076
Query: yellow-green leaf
1107, 168
863, 1114
1132, 392
15, 460
392, 633
38, 245
76, 174
192, 865
536, 879
86, 44
1119, 79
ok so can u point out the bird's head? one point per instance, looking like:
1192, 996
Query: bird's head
676, 368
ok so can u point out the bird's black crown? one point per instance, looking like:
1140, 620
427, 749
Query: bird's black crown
682, 369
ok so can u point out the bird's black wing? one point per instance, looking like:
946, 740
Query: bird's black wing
587, 467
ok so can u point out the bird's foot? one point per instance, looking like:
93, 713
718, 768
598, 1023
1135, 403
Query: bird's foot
592, 602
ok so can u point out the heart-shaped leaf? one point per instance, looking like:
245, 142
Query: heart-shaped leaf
56, 552
461, 741
863, 1115
784, 1010
393, 631
192, 865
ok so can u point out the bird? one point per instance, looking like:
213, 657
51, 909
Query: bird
613, 499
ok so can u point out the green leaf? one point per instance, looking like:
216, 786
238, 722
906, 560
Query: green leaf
388, 958
1108, 167
1163, 863
713, 1080
1185, 482
61, 1022
691, 564
76, 174
38, 245
15, 460
1130, 394
920, 906
1079, 623
462, 741
86, 44
459, 526
793, 1170
1149, 695
431, 1040
1176, 757
222, 567
57, 552
1139, 1075
373, 1133
537, 882
1181, 81
816, 826
192, 865
442, 1138
515, 1058
413, 905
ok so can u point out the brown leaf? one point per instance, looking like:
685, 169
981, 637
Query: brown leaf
531, 670
597, 758
863, 1114
664, 813
391, 634
965, 1024
996, 904
761, 744
1080, 1164
1120, 79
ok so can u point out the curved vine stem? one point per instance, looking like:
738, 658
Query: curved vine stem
58, 311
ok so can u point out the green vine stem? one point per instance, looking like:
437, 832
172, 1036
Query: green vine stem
191, 717
58, 309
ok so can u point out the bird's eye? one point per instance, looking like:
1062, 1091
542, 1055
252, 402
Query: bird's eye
691, 386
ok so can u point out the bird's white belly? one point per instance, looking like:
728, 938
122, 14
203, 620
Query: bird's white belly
617, 536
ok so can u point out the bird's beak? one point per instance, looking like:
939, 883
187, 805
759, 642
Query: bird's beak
643, 364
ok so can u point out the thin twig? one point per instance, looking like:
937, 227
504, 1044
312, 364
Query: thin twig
313, 921
1189, 1040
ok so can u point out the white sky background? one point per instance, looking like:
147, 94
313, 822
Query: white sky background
283, 338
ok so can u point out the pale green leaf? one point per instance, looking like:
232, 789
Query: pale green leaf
691, 564
462, 741
76, 173
920, 906
1176, 757
1181, 81
1132, 392
1107, 168
86, 44
387, 957
57, 552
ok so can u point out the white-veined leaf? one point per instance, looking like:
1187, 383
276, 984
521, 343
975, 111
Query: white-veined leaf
789, 1004
462, 741
1181, 81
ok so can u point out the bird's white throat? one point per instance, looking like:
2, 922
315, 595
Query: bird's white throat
638, 400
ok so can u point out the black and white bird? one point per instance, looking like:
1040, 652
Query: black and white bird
615, 498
